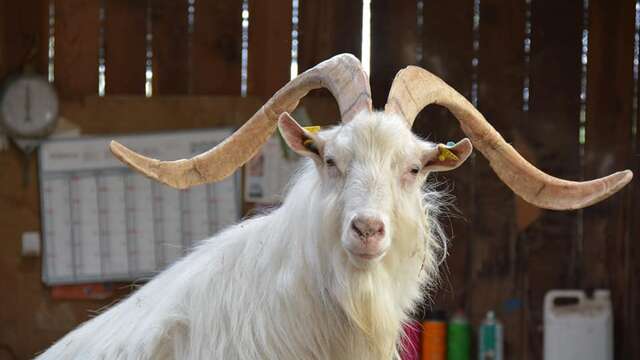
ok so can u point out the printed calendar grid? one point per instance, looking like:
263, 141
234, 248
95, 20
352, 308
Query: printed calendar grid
106, 223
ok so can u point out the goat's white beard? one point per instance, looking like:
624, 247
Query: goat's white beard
373, 303
273, 287
378, 300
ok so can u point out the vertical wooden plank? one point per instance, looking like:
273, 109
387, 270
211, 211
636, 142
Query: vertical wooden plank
42, 63
125, 46
500, 74
554, 108
328, 28
23, 29
447, 45
634, 266
269, 46
608, 149
24, 32
22, 39
216, 47
170, 46
3, 48
269, 51
77, 32
393, 43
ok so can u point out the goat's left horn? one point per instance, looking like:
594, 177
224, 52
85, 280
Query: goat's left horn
342, 75
414, 88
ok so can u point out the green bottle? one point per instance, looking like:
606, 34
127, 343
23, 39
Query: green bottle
458, 337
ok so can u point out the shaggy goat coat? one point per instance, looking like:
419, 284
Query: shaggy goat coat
280, 285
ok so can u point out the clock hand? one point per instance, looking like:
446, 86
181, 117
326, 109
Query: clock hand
27, 104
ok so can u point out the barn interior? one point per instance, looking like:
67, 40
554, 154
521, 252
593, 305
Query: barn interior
558, 79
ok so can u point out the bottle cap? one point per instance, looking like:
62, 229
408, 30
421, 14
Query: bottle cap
436, 315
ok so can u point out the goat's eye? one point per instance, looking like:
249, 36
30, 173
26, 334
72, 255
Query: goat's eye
330, 162
414, 170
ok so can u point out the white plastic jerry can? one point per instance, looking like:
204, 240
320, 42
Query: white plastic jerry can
578, 327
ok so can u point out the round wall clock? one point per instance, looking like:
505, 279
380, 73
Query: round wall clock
28, 107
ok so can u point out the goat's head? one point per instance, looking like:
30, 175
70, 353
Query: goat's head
372, 168
373, 158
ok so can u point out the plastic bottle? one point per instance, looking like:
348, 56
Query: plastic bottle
490, 338
458, 337
434, 336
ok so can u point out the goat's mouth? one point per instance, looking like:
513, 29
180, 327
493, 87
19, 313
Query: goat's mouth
365, 256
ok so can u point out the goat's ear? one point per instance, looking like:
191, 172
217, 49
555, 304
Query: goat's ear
299, 140
446, 157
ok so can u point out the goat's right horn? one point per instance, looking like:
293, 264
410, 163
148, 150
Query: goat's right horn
414, 88
342, 75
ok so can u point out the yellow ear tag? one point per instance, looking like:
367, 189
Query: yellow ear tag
313, 130
446, 154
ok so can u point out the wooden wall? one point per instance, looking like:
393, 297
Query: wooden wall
505, 254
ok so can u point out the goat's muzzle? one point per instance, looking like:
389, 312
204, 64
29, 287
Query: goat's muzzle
366, 237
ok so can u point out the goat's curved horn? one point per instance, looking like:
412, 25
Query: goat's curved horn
342, 75
414, 88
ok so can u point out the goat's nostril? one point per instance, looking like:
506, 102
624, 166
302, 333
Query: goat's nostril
355, 228
376, 226
365, 227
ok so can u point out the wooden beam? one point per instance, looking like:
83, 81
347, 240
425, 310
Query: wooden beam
132, 114
127, 114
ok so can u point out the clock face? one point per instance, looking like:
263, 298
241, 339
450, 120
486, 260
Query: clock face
29, 107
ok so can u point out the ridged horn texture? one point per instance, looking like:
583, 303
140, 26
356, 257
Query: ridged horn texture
414, 88
342, 75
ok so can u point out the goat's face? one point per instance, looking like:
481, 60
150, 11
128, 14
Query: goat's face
374, 167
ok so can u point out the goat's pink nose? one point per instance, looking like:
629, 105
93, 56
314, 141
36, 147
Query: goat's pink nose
368, 228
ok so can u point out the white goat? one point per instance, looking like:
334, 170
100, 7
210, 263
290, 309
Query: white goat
334, 272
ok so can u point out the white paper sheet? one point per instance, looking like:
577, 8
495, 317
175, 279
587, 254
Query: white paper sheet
268, 173
103, 222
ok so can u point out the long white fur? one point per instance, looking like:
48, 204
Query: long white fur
280, 285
